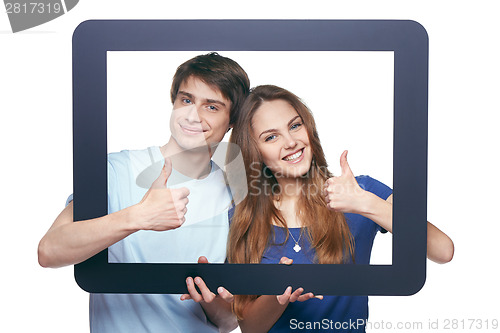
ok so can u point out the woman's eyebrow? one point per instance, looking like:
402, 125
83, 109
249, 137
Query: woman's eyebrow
292, 120
268, 131
275, 130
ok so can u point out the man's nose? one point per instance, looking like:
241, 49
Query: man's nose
192, 114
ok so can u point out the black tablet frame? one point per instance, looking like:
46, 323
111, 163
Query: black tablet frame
409, 42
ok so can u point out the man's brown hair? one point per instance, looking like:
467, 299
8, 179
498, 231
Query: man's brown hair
219, 72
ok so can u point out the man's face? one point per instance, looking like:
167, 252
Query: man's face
200, 116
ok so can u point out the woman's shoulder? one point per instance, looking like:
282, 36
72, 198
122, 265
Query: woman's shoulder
374, 186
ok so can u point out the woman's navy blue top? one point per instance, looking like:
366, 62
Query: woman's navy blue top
338, 313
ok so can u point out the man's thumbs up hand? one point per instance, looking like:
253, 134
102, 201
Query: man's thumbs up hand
165, 172
162, 208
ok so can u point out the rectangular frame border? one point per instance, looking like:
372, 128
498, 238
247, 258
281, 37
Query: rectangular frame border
409, 42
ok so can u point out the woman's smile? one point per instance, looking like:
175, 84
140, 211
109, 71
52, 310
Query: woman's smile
295, 157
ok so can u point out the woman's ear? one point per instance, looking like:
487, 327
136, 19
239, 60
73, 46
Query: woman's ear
229, 128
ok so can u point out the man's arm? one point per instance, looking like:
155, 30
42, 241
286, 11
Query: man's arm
68, 242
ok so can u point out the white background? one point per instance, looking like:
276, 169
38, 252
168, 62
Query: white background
464, 85
350, 94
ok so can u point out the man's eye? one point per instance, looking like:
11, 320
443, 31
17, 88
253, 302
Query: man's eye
212, 108
269, 138
186, 101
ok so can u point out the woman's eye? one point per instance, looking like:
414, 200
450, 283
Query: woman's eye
295, 126
269, 138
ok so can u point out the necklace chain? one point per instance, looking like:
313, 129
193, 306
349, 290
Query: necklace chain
297, 247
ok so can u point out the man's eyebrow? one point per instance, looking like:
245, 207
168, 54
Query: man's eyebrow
185, 93
208, 100
215, 101
275, 130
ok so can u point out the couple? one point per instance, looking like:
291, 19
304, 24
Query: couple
278, 221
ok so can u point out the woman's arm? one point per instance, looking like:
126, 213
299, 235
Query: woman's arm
440, 247
345, 195
261, 314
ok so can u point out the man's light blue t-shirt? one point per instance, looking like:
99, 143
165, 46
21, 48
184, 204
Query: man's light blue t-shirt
130, 174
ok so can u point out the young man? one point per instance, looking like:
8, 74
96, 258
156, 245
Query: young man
207, 92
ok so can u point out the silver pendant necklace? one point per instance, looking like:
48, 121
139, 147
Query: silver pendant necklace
297, 247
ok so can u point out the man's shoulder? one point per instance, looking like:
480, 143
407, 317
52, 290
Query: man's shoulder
145, 156
135, 154
136, 164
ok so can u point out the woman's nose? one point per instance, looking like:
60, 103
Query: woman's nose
290, 141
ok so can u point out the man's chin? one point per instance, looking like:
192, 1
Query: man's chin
200, 147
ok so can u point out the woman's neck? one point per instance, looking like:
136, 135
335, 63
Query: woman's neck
291, 189
286, 202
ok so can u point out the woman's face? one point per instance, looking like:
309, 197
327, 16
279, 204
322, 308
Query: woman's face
282, 139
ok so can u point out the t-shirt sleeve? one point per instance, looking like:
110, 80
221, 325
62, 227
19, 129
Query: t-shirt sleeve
70, 198
111, 183
376, 187
112, 186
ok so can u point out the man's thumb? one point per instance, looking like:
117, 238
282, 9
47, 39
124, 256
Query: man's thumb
167, 169
161, 181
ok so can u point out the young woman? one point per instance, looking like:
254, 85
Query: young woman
296, 211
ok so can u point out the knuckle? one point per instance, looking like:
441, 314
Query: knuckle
178, 205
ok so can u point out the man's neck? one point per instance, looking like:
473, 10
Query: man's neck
194, 163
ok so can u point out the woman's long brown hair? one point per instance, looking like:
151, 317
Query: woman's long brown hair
251, 227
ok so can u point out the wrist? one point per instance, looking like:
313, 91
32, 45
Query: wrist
368, 203
378, 210
131, 218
